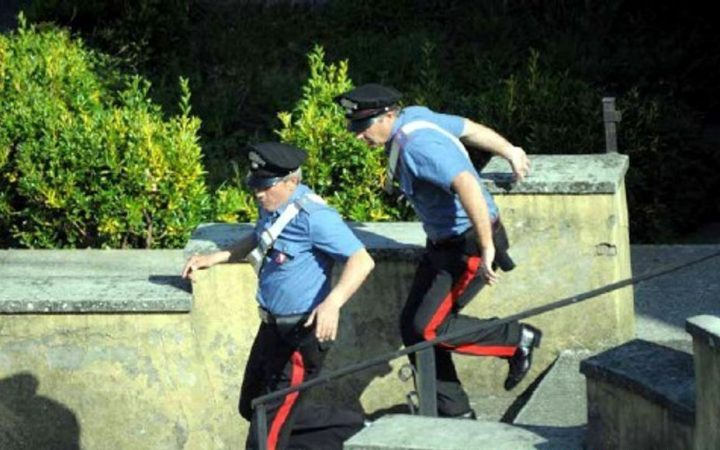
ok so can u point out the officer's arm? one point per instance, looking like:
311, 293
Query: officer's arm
475, 135
327, 313
238, 251
473, 201
356, 269
234, 253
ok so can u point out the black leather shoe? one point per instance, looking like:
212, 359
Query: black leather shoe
521, 361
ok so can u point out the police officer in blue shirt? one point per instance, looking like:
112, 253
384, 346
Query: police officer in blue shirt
466, 240
298, 306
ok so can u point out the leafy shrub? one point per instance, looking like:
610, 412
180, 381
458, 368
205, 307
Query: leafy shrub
232, 201
245, 62
341, 168
87, 165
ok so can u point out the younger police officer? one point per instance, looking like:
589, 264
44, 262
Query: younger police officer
466, 241
299, 309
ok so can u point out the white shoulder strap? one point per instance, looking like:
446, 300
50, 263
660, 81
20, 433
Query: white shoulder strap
402, 134
311, 197
270, 235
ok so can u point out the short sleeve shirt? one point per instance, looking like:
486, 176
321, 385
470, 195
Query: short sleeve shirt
296, 273
429, 161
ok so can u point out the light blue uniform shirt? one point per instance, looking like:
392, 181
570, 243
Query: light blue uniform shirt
296, 274
427, 165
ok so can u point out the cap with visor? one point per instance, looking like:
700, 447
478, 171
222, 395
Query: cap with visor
365, 104
270, 162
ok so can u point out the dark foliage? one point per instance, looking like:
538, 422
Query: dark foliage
534, 70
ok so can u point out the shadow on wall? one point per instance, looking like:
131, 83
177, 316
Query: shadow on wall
29, 421
175, 281
346, 392
571, 437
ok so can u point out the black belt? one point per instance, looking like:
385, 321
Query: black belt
271, 319
458, 239
452, 241
461, 242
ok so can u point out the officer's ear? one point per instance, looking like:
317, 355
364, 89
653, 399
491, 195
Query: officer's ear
387, 117
295, 177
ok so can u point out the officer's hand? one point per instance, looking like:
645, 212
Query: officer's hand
488, 256
326, 315
519, 162
195, 263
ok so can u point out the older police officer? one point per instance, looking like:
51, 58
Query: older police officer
296, 240
466, 240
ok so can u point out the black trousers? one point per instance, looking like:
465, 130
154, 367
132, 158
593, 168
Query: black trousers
283, 356
446, 280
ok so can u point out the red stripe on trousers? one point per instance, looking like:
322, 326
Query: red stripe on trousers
443, 310
446, 305
486, 350
298, 372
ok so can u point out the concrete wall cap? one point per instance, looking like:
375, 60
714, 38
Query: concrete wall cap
384, 240
659, 374
560, 174
93, 281
705, 328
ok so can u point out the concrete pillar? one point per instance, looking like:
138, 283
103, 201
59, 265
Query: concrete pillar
705, 331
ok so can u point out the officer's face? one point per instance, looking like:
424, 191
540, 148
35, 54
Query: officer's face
275, 196
379, 132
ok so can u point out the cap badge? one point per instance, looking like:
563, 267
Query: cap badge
348, 104
256, 161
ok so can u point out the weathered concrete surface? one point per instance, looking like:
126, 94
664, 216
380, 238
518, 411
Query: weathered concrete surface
601, 173
404, 432
637, 423
663, 304
92, 281
125, 381
108, 294
138, 381
706, 352
640, 395
557, 408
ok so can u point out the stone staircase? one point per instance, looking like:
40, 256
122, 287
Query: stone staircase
550, 415
553, 412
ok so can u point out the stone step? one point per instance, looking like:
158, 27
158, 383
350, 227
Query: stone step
557, 408
640, 395
406, 432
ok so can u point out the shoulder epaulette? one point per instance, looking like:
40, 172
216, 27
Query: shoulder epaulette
311, 202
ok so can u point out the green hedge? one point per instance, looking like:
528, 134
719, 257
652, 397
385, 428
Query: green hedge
535, 71
86, 159
341, 168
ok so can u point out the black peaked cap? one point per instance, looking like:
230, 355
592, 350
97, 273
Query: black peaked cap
368, 99
272, 160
